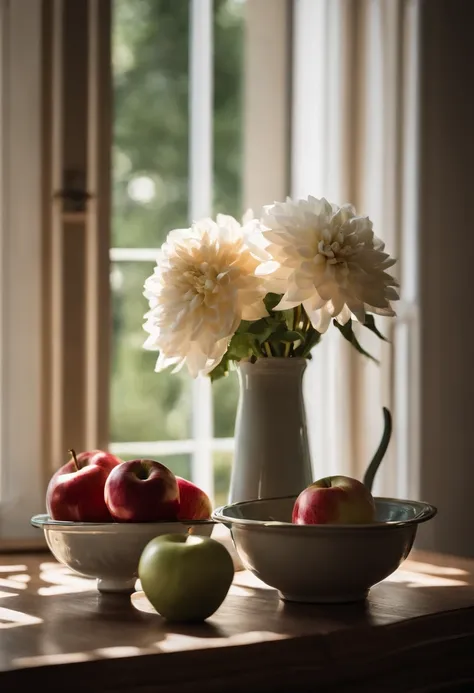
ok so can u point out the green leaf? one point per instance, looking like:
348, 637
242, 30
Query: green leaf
263, 328
221, 370
283, 336
347, 333
370, 325
240, 347
243, 327
271, 300
218, 372
312, 338
291, 336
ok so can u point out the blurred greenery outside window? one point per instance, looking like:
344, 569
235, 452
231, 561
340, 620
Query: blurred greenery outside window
150, 197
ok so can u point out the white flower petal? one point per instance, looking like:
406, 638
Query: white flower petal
320, 319
329, 259
287, 305
248, 216
254, 312
205, 282
344, 316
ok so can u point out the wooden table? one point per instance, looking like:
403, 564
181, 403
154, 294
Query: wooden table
414, 633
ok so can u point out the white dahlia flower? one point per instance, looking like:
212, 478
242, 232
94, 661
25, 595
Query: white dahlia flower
329, 260
203, 285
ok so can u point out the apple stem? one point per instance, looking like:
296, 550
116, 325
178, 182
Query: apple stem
74, 457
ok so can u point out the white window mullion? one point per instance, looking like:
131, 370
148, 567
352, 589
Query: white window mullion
200, 205
407, 328
156, 448
134, 254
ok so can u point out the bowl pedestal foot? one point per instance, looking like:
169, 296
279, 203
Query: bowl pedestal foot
116, 585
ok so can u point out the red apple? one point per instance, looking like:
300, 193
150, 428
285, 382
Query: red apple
76, 491
194, 504
338, 500
142, 491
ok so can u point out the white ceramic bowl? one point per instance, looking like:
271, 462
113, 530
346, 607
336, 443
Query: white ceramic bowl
322, 563
109, 552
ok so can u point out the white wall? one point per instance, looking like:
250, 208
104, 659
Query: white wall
447, 270
22, 493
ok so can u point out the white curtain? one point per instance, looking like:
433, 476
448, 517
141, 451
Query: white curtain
21, 492
354, 139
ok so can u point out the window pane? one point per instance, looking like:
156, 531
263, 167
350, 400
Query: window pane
150, 197
179, 464
228, 113
222, 467
228, 122
144, 405
150, 141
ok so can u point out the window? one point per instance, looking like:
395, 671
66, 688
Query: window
217, 105
178, 76
177, 154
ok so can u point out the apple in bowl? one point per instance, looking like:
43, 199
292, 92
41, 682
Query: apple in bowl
334, 500
75, 492
142, 490
194, 503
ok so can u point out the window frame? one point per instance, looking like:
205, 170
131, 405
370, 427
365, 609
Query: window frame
31, 279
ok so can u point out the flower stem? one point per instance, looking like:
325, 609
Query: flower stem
255, 350
296, 322
287, 349
297, 317
306, 321
268, 351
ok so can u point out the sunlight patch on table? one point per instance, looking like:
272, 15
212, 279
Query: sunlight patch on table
248, 579
62, 581
141, 603
20, 578
240, 591
412, 579
175, 642
46, 660
417, 567
14, 584
12, 568
14, 619
122, 651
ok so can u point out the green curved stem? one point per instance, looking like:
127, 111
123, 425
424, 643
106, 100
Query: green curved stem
369, 475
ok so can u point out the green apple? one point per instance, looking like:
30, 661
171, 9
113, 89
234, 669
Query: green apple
184, 576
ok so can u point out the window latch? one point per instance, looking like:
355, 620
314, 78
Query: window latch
74, 194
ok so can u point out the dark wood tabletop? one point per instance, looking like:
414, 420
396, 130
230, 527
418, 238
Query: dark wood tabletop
415, 632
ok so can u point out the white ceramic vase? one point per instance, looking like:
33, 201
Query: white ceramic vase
272, 456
